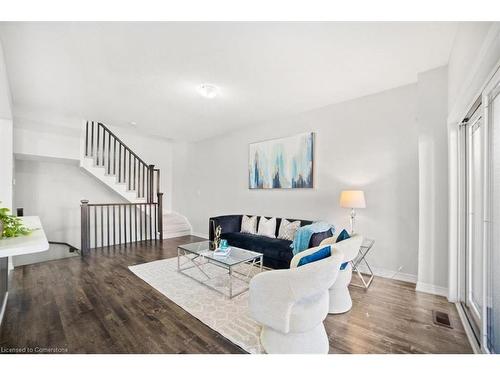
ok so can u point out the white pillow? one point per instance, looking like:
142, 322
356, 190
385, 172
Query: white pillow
267, 227
288, 229
249, 224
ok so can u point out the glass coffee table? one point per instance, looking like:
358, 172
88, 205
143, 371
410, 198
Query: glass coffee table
229, 274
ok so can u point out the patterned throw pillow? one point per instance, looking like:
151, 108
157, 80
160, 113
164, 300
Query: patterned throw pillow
267, 227
249, 224
288, 229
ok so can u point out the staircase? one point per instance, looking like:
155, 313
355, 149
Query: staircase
107, 158
175, 225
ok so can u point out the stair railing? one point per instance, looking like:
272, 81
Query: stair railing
109, 224
119, 160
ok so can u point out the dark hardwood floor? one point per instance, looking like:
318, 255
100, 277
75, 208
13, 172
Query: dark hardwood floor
96, 305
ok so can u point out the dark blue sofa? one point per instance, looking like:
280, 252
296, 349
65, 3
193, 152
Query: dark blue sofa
277, 252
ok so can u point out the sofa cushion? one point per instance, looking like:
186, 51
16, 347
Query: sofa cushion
272, 248
287, 229
249, 224
344, 235
318, 237
319, 254
267, 227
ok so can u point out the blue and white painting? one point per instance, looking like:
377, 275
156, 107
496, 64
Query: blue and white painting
284, 163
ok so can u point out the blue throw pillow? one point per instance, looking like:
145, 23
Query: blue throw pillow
322, 253
344, 235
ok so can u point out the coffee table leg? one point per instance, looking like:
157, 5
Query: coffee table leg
230, 282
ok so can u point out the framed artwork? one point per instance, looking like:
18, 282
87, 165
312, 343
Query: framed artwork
284, 163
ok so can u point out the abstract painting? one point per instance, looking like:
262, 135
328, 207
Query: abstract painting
284, 163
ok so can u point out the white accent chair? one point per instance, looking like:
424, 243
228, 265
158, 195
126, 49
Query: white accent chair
340, 298
291, 305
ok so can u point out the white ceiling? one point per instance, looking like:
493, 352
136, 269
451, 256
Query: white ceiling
148, 73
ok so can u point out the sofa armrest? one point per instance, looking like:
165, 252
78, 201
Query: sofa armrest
228, 223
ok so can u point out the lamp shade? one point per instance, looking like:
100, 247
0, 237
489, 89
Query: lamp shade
352, 199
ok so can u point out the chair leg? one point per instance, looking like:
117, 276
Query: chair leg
340, 298
314, 341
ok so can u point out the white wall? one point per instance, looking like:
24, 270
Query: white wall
368, 143
475, 52
52, 189
433, 181
474, 57
6, 163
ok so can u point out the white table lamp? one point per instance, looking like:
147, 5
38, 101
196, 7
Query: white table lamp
352, 199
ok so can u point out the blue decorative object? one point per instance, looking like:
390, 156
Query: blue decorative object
322, 253
344, 235
223, 244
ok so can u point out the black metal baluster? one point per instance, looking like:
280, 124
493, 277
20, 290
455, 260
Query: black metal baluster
114, 226
120, 224
145, 223
109, 153
103, 150
150, 224
147, 185
87, 139
130, 217
140, 221
120, 163
103, 145
124, 225
138, 180
95, 227
102, 227
107, 218
114, 157
135, 218
92, 141
143, 179
135, 162
156, 224
125, 164
129, 171
97, 144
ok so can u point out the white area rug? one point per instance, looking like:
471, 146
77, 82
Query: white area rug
229, 317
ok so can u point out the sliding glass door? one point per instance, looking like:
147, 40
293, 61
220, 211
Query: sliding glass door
479, 275
492, 208
472, 256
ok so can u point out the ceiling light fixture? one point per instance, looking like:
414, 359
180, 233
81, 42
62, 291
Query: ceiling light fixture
208, 91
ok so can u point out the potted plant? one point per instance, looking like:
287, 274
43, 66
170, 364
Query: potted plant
11, 226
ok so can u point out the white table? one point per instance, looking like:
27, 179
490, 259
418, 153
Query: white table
35, 242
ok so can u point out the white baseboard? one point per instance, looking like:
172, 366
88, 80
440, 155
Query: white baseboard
4, 305
202, 235
432, 289
176, 234
390, 274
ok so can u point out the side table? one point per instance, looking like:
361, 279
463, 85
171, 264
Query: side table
366, 246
